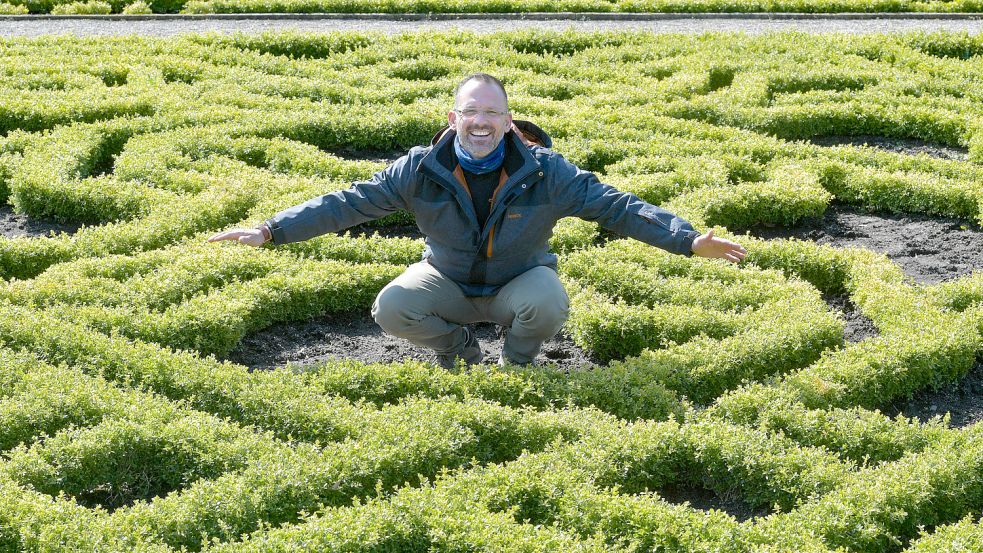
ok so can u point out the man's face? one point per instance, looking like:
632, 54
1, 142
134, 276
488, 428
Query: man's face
480, 117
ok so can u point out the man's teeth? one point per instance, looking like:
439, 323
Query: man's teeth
480, 133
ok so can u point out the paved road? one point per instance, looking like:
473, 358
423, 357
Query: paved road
661, 23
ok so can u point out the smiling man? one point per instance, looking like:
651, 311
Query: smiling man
486, 194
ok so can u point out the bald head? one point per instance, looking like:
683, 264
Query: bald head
480, 78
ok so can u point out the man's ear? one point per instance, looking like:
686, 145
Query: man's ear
451, 118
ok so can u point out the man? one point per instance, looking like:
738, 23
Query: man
487, 200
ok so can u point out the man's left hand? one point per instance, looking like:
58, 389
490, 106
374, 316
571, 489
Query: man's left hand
708, 245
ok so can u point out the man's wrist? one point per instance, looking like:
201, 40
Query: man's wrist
267, 233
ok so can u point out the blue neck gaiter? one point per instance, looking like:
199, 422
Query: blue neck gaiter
480, 166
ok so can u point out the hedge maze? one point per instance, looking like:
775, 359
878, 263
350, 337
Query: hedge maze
122, 427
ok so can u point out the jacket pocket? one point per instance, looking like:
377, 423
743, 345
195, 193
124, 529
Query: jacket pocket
662, 219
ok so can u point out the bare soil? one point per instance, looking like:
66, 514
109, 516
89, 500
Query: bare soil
928, 249
13, 225
907, 146
856, 326
357, 336
705, 499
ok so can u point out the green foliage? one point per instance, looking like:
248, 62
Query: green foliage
13, 9
963, 536
82, 8
137, 8
698, 327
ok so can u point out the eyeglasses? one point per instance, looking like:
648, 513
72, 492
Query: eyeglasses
470, 113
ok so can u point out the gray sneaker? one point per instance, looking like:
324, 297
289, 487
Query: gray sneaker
471, 354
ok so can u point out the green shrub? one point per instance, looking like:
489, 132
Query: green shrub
137, 8
13, 9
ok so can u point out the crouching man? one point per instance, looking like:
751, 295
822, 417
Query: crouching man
486, 194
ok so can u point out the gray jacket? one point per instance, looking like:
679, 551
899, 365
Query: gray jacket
538, 188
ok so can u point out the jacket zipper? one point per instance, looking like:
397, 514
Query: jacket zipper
655, 221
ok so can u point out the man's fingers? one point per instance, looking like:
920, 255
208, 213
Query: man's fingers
233, 234
732, 258
730, 244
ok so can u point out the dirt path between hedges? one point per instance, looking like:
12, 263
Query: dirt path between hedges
13, 224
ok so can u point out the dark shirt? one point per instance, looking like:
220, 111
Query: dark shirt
482, 187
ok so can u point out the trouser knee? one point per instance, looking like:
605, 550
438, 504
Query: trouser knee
543, 318
390, 310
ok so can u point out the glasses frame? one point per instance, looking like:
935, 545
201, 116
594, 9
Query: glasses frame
475, 112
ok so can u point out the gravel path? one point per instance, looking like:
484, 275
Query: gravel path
659, 23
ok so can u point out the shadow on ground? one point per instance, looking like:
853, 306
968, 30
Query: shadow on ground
706, 499
962, 399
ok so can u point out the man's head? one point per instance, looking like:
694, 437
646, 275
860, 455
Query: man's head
481, 114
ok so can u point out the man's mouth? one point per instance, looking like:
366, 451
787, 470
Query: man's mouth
481, 134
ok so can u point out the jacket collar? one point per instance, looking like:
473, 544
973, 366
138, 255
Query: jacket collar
441, 160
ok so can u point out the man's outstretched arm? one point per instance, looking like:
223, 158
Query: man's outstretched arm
364, 201
627, 214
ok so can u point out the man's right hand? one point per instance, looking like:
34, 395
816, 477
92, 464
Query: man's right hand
251, 236
708, 245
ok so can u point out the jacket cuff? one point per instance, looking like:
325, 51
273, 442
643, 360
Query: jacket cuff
276, 233
686, 245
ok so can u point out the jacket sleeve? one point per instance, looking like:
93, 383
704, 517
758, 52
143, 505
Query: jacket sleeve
581, 194
364, 201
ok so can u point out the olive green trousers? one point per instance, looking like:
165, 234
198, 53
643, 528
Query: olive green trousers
429, 309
